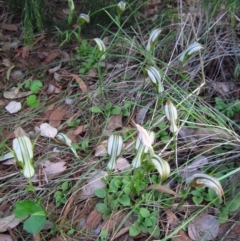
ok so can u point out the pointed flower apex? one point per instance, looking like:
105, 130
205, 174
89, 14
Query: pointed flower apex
191, 49
145, 137
82, 19
71, 5
162, 166
121, 6
114, 148
153, 38
200, 179
141, 149
23, 152
101, 47
171, 113
155, 77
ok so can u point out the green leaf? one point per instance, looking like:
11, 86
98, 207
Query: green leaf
233, 205
144, 212
32, 101
104, 234
101, 192
96, 109
197, 200
64, 186
116, 110
124, 200
35, 86
223, 217
24, 208
70, 231
134, 231
102, 208
154, 231
147, 222
127, 190
112, 186
34, 223
108, 106
196, 193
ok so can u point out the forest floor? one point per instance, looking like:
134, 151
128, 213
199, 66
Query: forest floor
61, 93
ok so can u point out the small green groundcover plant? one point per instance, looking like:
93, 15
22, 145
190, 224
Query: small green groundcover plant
34, 86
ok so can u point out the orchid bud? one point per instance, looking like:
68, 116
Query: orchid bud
191, 49
114, 148
71, 5
23, 152
162, 166
153, 38
155, 77
101, 47
82, 19
171, 113
63, 138
121, 6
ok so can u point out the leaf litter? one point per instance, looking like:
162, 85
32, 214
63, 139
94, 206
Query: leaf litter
55, 117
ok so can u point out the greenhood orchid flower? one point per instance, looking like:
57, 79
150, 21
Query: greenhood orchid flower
200, 179
62, 137
101, 47
114, 148
162, 166
171, 113
153, 38
121, 6
155, 77
83, 18
23, 153
142, 149
191, 49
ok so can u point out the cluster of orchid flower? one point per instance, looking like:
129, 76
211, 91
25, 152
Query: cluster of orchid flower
143, 145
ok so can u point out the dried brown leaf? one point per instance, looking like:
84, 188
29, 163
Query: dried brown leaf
162, 189
113, 221
93, 220
57, 115
5, 237
80, 82
9, 222
181, 236
9, 27
80, 129
53, 169
172, 219
115, 122
204, 227
50, 58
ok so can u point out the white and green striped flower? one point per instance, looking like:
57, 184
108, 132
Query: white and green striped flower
191, 49
23, 153
155, 78
153, 38
162, 166
172, 116
83, 18
101, 47
143, 145
114, 148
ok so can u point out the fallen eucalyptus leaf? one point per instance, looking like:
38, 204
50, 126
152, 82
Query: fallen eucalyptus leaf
204, 227
13, 107
47, 130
